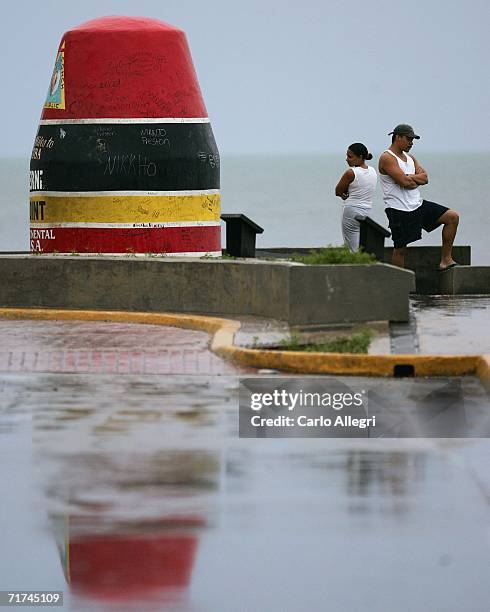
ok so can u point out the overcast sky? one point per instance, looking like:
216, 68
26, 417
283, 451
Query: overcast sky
314, 76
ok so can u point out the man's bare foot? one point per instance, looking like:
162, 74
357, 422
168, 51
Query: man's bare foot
443, 266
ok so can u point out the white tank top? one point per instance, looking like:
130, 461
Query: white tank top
362, 188
395, 196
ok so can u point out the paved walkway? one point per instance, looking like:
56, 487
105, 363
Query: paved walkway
99, 470
107, 348
452, 324
438, 325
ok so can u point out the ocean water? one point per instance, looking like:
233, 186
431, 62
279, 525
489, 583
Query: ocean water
292, 198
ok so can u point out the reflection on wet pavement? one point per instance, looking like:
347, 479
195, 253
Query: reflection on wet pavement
168, 509
106, 348
154, 503
452, 324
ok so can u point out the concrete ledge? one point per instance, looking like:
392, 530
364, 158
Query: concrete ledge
224, 331
301, 295
348, 293
424, 261
465, 280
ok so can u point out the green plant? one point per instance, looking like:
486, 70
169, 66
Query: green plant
334, 255
227, 256
291, 344
355, 343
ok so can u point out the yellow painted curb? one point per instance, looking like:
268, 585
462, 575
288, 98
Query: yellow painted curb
483, 371
224, 331
352, 364
212, 325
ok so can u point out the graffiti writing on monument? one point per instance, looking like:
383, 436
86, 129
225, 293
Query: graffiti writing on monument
137, 64
211, 158
106, 84
130, 165
154, 136
103, 131
148, 224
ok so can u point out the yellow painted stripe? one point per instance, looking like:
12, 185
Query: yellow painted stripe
124, 209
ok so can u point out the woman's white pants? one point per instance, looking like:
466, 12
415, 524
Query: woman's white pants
350, 225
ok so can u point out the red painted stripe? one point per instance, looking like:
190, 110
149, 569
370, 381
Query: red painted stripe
127, 240
104, 567
118, 67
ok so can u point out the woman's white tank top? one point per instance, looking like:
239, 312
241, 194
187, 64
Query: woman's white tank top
395, 196
362, 188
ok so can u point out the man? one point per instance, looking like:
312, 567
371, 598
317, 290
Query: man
400, 176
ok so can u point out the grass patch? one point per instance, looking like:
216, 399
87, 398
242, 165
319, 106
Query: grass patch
334, 255
355, 343
226, 256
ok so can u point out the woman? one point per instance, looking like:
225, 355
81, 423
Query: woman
356, 188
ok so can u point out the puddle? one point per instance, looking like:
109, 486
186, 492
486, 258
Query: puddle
139, 509
452, 324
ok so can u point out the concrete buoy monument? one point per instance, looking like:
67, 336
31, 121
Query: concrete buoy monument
125, 159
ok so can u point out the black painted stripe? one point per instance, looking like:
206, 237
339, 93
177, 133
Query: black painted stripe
126, 157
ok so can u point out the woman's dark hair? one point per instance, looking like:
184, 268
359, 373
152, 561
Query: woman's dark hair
360, 150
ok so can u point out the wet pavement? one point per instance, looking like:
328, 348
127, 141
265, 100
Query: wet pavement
438, 324
130, 490
106, 348
452, 324
257, 332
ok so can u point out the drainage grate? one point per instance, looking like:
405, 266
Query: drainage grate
404, 371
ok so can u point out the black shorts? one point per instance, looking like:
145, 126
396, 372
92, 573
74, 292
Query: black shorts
406, 226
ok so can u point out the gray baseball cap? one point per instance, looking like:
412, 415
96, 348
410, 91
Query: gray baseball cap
404, 130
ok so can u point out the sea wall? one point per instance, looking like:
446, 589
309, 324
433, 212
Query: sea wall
424, 261
301, 295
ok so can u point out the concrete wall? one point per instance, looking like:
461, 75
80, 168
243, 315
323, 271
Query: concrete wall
290, 292
424, 261
345, 293
466, 280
